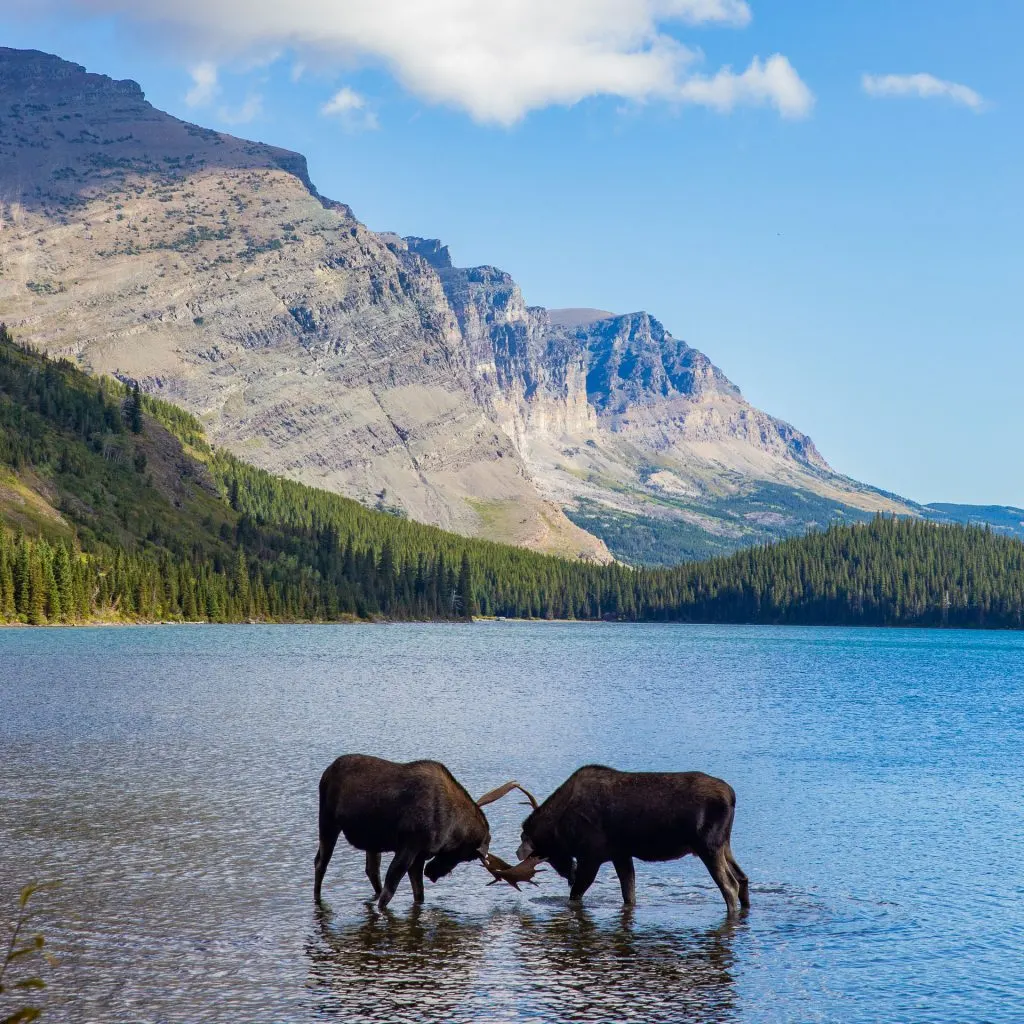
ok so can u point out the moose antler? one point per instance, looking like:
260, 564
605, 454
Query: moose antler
497, 794
511, 873
501, 869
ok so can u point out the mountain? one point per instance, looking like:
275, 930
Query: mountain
113, 506
637, 435
209, 270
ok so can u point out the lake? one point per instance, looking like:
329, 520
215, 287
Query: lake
168, 776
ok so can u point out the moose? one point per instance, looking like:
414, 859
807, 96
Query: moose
599, 814
416, 810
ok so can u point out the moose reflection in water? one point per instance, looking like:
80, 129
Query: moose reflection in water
582, 970
420, 966
431, 965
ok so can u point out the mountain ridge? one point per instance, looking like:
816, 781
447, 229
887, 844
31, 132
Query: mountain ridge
210, 270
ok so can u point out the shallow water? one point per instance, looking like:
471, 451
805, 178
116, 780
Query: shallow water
168, 776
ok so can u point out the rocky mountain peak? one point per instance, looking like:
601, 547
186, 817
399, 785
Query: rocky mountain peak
627, 360
208, 268
633, 361
32, 75
430, 249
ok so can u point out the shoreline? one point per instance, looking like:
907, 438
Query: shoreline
495, 620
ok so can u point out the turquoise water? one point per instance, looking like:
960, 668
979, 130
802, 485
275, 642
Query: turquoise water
168, 776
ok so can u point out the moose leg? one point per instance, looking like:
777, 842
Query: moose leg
718, 867
565, 866
741, 879
373, 870
416, 878
399, 866
627, 878
586, 872
328, 839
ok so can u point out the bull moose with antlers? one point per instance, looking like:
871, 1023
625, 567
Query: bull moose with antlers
416, 810
599, 815
421, 813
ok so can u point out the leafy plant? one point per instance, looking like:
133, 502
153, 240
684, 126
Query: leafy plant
22, 948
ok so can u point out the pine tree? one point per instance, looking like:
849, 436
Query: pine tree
53, 606
8, 611
37, 593
23, 578
241, 585
64, 581
466, 597
133, 409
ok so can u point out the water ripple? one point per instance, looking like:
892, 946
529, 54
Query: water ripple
168, 776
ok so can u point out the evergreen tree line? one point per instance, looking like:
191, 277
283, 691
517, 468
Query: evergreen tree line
134, 554
888, 572
239, 543
44, 582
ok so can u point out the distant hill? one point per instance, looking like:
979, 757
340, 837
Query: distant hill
889, 572
114, 506
1004, 518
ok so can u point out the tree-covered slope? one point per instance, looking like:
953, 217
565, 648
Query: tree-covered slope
889, 572
114, 506
111, 512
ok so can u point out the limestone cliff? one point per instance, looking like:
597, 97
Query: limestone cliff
613, 411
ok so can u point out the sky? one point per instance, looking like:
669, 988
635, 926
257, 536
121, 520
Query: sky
826, 198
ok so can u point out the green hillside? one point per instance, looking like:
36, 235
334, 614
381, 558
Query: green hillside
113, 506
889, 572
766, 513
110, 509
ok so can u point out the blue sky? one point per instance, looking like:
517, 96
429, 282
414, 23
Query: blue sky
852, 257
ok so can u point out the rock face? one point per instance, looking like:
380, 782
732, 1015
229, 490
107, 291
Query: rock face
612, 411
209, 269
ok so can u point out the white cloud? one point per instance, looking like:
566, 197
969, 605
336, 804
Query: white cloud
204, 85
350, 108
495, 59
923, 86
248, 111
729, 12
773, 82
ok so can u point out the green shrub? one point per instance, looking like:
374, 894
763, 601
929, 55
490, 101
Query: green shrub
21, 952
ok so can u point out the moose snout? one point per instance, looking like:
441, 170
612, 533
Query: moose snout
525, 850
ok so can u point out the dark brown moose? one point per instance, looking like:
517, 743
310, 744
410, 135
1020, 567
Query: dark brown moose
599, 814
417, 810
